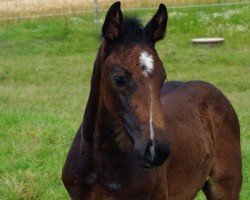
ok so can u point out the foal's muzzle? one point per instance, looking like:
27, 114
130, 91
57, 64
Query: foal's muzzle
155, 154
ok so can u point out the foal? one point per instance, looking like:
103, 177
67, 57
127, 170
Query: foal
132, 117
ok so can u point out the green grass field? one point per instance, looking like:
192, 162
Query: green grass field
45, 69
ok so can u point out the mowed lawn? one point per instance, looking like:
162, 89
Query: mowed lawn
45, 69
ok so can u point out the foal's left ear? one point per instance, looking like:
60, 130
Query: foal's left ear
112, 26
156, 27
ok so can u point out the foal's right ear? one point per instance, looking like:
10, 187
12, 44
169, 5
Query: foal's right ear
112, 26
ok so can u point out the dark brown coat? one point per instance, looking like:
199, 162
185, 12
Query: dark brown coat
196, 135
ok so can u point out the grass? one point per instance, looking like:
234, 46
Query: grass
45, 69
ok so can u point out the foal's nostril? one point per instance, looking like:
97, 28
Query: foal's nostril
162, 153
150, 152
156, 154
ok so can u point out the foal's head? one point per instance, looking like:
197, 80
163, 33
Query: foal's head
132, 75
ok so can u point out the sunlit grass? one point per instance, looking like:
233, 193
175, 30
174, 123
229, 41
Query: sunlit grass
45, 68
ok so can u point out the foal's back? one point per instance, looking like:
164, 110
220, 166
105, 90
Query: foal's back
204, 134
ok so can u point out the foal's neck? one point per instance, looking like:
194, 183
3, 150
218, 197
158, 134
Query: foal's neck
108, 149
115, 163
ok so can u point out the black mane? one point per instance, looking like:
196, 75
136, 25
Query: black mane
132, 30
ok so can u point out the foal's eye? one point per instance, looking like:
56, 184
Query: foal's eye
119, 81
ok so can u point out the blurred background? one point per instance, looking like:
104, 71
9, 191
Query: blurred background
47, 51
28, 8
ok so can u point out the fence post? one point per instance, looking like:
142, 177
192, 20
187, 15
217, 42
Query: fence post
96, 20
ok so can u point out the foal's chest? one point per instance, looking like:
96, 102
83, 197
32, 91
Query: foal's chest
100, 192
133, 188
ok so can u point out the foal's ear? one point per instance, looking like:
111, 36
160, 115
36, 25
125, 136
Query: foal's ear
156, 27
112, 26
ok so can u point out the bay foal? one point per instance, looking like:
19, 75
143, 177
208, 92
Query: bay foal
134, 122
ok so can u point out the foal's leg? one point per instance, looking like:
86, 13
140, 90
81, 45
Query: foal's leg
226, 176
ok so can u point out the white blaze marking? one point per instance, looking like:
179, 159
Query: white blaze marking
147, 63
152, 133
